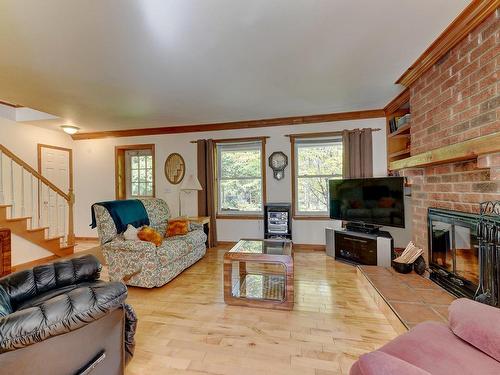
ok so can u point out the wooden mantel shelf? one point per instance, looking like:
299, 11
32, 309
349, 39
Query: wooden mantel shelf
466, 150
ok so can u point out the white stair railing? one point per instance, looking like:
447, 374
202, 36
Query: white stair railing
38, 197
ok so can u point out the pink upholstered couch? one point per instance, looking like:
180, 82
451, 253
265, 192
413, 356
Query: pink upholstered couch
469, 345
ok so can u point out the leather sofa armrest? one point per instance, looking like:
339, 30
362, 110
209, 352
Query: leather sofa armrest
27, 284
59, 315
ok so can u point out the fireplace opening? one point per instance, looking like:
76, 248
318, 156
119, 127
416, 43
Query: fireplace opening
465, 252
454, 251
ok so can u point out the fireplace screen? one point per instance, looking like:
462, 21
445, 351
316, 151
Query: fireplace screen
454, 250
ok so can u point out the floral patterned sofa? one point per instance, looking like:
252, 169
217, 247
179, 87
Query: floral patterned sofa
139, 263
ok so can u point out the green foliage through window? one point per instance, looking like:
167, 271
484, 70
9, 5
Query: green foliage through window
317, 161
239, 177
141, 175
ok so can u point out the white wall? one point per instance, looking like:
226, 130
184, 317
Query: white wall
22, 140
95, 173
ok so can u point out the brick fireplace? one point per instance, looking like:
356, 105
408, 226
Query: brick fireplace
455, 101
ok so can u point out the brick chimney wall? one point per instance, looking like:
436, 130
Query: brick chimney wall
456, 100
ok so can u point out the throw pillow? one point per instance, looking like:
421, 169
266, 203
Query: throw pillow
177, 227
477, 324
150, 235
131, 233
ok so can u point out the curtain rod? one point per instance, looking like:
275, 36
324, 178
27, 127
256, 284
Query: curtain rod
324, 134
241, 139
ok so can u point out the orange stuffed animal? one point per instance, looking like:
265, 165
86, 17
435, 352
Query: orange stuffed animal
150, 235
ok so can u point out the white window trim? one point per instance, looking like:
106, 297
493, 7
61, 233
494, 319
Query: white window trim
241, 145
298, 141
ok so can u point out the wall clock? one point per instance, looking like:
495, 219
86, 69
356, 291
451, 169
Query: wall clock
278, 162
175, 168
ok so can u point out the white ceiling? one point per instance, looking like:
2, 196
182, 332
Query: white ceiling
118, 64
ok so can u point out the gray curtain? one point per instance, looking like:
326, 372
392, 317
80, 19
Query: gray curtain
206, 176
358, 159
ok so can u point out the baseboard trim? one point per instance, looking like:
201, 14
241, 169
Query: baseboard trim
226, 243
296, 246
309, 247
86, 238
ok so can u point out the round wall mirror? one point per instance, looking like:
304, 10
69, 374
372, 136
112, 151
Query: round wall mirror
175, 168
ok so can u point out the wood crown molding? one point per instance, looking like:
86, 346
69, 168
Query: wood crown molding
250, 124
397, 102
470, 18
2, 102
466, 150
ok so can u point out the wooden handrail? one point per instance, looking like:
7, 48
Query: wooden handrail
27, 167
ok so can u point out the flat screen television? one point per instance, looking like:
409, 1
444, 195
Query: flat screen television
377, 201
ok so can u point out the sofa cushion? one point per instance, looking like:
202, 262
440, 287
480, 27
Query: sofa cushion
5, 307
25, 285
106, 228
478, 324
172, 249
59, 315
41, 298
433, 347
158, 214
380, 363
195, 237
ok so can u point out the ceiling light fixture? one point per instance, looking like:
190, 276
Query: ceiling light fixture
70, 129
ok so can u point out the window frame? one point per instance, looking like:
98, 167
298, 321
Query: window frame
294, 143
121, 183
129, 155
240, 215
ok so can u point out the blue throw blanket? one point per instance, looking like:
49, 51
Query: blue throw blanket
124, 212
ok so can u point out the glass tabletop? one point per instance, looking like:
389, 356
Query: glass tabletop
268, 247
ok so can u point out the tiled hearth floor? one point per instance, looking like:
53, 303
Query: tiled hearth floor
410, 297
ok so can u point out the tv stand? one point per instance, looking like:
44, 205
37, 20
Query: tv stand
358, 226
360, 248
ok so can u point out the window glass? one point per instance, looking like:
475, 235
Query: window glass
239, 186
316, 162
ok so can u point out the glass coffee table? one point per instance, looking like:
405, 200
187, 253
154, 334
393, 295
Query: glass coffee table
259, 273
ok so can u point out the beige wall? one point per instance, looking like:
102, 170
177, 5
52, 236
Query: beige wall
94, 171
95, 176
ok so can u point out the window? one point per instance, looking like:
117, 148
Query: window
140, 170
240, 182
316, 160
135, 171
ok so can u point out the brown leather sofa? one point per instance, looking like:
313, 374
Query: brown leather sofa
60, 319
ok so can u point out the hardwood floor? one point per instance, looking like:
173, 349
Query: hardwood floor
185, 327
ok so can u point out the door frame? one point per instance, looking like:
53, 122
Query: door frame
70, 152
120, 175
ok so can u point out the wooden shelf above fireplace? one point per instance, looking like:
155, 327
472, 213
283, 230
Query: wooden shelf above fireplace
467, 150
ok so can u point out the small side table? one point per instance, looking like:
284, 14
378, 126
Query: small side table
205, 221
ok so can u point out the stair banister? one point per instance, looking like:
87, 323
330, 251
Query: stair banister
25, 167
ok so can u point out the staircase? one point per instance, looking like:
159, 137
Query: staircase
34, 208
